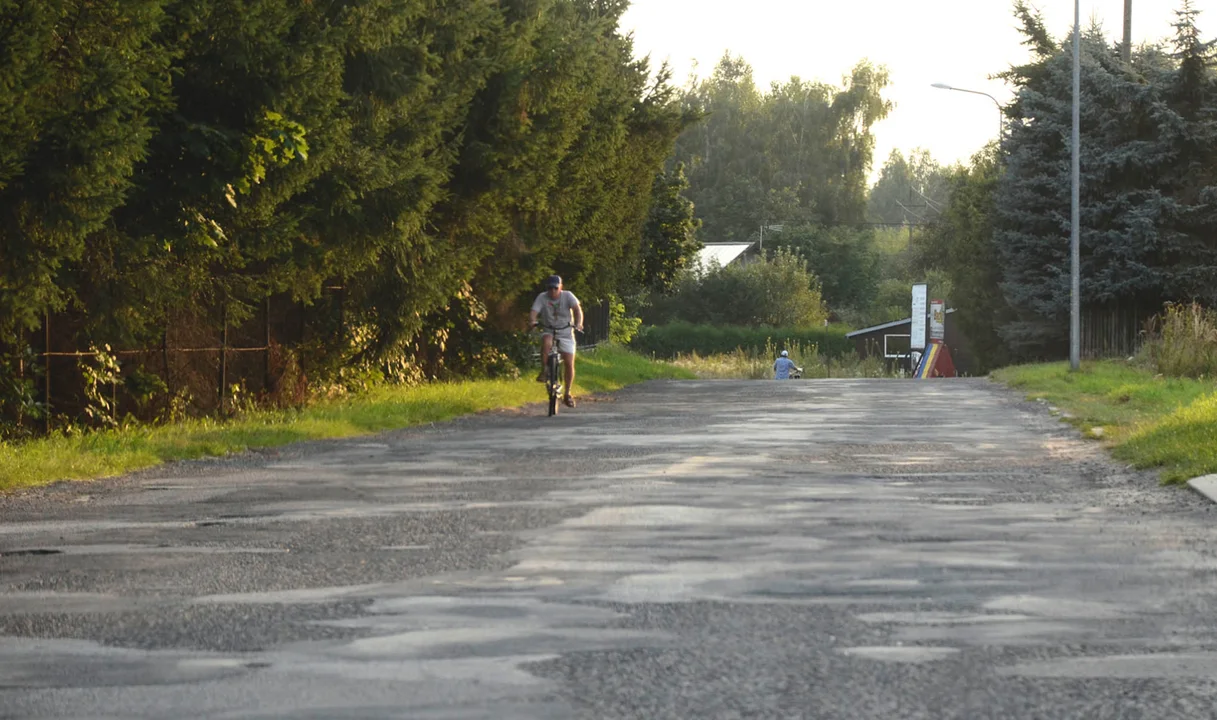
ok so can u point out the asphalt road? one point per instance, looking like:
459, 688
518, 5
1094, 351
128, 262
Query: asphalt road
817, 549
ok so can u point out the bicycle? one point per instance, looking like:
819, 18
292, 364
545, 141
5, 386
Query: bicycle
553, 369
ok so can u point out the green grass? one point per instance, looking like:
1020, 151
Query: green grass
757, 364
1147, 420
93, 455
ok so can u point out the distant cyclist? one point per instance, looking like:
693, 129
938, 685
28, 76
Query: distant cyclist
782, 366
560, 315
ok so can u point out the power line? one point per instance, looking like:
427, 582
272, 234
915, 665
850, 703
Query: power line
934, 205
910, 211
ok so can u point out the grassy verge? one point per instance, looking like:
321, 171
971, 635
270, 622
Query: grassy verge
108, 453
757, 364
1147, 420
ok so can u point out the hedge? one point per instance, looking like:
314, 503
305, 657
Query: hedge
668, 341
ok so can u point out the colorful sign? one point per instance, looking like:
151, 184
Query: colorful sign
938, 320
935, 363
917, 334
925, 368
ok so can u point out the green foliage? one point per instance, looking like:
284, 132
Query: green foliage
82, 81
844, 259
19, 405
1183, 342
669, 238
679, 338
144, 386
622, 325
101, 374
1149, 169
799, 153
777, 291
430, 161
909, 190
961, 246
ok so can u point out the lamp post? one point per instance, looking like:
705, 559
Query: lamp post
1001, 113
1075, 281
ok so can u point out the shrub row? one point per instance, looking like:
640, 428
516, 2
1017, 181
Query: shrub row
668, 341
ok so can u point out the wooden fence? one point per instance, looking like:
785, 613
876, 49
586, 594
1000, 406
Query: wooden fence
1113, 331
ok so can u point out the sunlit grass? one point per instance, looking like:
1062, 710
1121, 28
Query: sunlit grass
1147, 420
100, 454
748, 364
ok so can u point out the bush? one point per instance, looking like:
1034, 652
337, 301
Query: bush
19, 405
777, 291
1183, 342
623, 326
669, 341
844, 259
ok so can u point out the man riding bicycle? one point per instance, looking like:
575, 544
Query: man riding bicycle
559, 312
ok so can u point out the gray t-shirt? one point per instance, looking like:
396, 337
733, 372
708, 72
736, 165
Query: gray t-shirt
555, 313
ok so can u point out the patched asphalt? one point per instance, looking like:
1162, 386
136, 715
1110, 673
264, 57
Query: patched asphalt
811, 549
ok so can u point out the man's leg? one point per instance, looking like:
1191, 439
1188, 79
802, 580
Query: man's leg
568, 360
547, 342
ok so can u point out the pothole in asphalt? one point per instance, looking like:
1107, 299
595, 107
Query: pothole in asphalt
920, 539
900, 653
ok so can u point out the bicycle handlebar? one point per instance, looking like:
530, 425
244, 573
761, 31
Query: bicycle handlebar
554, 329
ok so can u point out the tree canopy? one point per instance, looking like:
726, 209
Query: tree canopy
1149, 182
433, 159
799, 152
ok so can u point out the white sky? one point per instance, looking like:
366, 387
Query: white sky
957, 42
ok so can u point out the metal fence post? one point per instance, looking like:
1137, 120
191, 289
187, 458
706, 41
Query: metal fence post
266, 358
223, 358
46, 364
165, 357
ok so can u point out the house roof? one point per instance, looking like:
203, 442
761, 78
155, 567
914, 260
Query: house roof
722, 253
886, 326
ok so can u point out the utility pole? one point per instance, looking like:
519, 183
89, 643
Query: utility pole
1075, 240
1127, 49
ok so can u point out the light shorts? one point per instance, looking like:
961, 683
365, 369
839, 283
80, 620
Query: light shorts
566, 343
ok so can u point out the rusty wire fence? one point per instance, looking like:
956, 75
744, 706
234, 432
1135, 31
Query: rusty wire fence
203, 364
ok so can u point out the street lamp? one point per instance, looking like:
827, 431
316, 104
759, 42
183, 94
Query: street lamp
1075, 273
1001, 113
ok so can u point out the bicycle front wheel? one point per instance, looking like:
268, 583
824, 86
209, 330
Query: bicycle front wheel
555, 384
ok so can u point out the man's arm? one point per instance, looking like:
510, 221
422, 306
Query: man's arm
534, 312
578, 311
